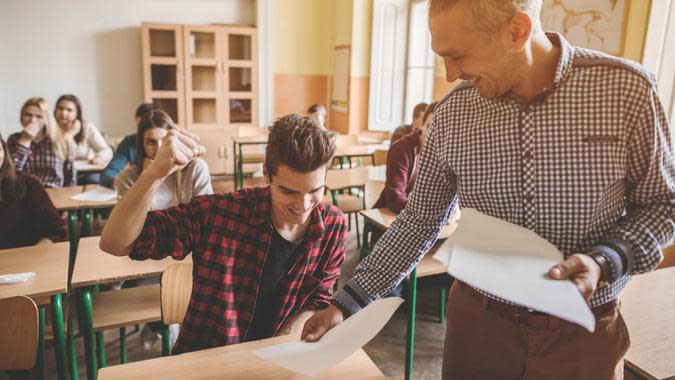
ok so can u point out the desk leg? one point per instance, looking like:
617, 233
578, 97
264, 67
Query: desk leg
410, 341
87, 229
166, 347
442, 303
40, 363
241, 167
70, 340
123, 345
235, 166
365, 247
72, 227
59, 336
89, 337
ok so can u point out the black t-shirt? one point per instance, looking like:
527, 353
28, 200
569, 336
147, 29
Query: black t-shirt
278, 263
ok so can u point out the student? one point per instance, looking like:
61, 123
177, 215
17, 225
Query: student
565, 141
317, 112
27, 214
181, 186
418, 113
125, 152
265, 258
403, 165
40, 149
89, 142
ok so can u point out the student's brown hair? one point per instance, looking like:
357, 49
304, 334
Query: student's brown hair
12, 188
299, 143
419, 110
155, 118
430, 110
79, 137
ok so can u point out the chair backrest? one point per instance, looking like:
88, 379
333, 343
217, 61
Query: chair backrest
668, 257
18, 333
380, 157
176, 291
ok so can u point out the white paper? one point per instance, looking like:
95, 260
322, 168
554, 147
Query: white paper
511, 262
85, 165
15, 278
337, 344
97, 194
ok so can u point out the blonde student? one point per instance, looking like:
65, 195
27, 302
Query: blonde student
40, 149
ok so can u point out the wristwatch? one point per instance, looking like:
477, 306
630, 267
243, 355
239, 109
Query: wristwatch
605, 269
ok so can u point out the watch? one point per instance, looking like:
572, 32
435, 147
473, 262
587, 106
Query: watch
605, 270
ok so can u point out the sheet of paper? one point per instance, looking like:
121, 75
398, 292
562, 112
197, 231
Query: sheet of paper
511, 262
337, 344
82, 165
97, 194
15, 278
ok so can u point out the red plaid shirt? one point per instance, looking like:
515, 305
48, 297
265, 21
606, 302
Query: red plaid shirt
41, 162
229, 235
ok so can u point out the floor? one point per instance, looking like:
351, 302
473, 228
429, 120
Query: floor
387, 349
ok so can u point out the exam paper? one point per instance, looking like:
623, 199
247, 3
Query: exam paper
97, 194
337, 344
511, 262
15, 278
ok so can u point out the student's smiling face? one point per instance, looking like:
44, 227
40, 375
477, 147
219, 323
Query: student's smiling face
295, 194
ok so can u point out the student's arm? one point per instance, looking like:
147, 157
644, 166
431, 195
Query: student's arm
19, 147
46, 222
103, 151
398, 168
116, 165
129, 215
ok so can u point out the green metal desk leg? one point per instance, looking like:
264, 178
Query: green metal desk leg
123, 345
410, 341
236, 166
70, 341
59, 336
365, 247
333, 194
72, 227
89, 337
40, 363
86, 230
241, 167
102, 361
166, 348
443, 302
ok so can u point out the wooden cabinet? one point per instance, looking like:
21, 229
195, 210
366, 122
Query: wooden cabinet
205, 78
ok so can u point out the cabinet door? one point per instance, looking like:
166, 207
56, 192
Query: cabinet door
203, 83
218, 144
163, 80
240, 79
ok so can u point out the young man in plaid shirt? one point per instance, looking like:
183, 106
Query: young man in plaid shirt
568, 142
265, 259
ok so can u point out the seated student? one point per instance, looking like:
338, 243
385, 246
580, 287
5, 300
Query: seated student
403, 165
89, 142
317, 112
180, 187
265, 258
125, 152
40, 149
28, 215
417, 122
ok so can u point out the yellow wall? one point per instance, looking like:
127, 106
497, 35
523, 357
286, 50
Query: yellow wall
636, 30
342, 22
361, 36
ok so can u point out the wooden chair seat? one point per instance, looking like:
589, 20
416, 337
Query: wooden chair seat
126, 307
349, 203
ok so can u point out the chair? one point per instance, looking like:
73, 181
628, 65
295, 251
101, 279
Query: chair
380, 157
176, 290
19, 331
668, 257
345, 141
252, 155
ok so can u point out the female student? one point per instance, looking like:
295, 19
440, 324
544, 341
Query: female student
194, 179
28, 215
89, 142
317, 112
40, 149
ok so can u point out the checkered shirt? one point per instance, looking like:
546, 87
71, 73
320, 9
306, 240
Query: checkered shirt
229, 236
587, 160
41, 162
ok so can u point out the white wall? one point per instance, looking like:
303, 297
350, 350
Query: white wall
91, 48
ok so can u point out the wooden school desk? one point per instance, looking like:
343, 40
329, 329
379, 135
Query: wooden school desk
95, 267
50, 264
381, 219
354, 151
648, 307
236, 362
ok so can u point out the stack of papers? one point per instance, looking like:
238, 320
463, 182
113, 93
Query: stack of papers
97, 194
15, 278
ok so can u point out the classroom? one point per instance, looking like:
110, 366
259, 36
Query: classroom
337, 189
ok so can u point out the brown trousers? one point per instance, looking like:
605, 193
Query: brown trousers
488, 339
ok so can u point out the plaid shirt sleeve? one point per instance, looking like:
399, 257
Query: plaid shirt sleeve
173, 232
69, 178
335, 252
410, 236
19, 152
649, 222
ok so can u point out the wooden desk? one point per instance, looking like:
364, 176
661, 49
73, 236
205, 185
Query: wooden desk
95, 267
61, 197
648, 307
84, 166
237, 149
365, 150
381, 219
340, 179
50, 264
236, 362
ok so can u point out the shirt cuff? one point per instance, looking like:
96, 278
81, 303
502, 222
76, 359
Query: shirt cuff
351, 299
619, 256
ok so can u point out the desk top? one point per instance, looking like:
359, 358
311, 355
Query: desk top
358, 150
61, 197
84, 166
93, 266
236, 362
48, 261
383, 217
648, 307
250, 140
104, 204
338, 179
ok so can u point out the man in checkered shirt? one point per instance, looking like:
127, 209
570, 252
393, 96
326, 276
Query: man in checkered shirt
568, 142
265, 258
